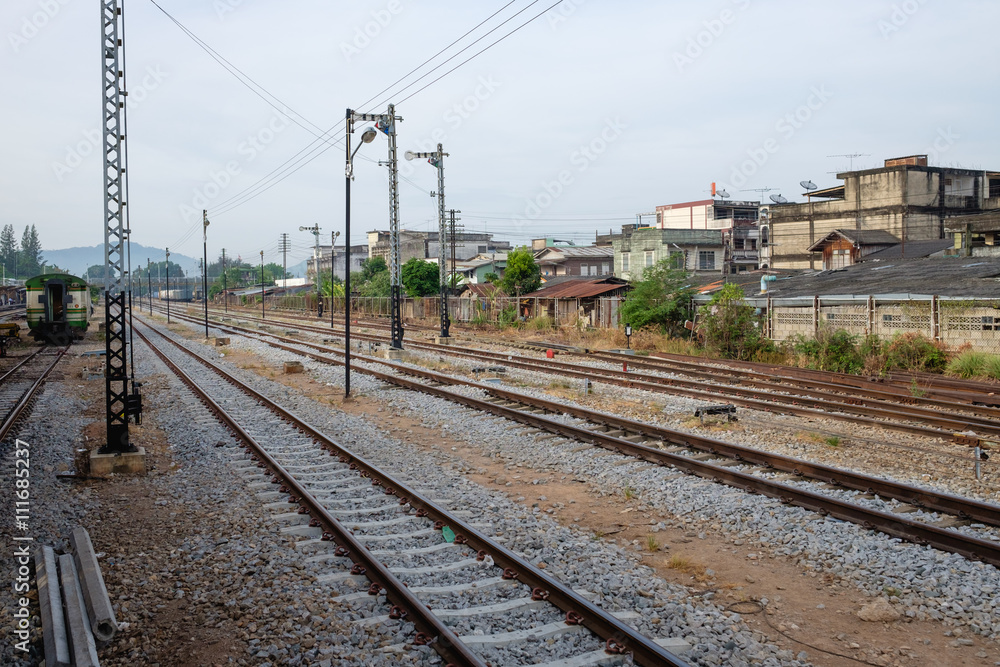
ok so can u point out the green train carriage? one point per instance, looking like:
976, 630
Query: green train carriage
58, 307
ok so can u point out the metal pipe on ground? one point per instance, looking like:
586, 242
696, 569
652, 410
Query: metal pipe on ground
95, 594
81, 640
53, 622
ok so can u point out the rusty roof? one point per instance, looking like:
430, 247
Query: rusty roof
578, 288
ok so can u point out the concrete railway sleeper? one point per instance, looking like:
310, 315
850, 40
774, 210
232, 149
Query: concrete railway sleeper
897, 525
290, 463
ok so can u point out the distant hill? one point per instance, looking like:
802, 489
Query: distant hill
77, 260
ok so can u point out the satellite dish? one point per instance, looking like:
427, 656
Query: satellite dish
808, 185
778, 199
722, 193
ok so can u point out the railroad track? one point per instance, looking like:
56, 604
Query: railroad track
917, 417
20, 385
904, 511
349, 508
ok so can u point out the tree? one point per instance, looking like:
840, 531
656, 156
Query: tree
378, 286
522, 275
492, 278
30, 260
420, 278
372, 266
731, 328
662, 298
8, 250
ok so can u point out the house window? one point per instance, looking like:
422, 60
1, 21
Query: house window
677, 260
990, 323
584, 270
706, 260
625, 261
605, 268
659, 219
649, 258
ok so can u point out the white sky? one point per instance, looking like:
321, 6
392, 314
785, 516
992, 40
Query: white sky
670, 96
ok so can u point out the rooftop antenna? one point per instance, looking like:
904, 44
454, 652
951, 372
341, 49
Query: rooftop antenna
851, 157
762, 191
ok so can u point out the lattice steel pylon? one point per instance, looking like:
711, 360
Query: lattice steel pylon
387, 124
117, 399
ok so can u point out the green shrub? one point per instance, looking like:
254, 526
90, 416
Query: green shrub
993, 367
968, 364
915, 352
731, 327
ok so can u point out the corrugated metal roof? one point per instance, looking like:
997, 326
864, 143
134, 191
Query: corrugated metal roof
580, 288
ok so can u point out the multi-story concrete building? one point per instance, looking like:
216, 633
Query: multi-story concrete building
337, 257
906, 198
736, 220
701, 250
425, 245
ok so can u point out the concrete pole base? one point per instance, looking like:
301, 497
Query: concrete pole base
443, 340
129, 463
393, 354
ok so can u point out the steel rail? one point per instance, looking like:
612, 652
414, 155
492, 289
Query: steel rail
797, 405
598, 621
445, 642
816, 387
957, 506
28, 395
913, 531
968, 391
12, 370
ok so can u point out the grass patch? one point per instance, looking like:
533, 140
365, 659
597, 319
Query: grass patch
968, 364
832, 441
687, 566
629, 492
652, 545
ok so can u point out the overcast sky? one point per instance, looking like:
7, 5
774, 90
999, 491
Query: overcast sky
594, 112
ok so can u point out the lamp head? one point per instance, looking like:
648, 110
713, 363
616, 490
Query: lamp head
368, 135
409, 155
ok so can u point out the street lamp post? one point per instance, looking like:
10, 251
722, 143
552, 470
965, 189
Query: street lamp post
367, 137
168, 285
204, 273
149, 285
263, 315
437, 160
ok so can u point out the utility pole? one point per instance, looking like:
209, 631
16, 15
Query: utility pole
387, 125
118, 403
436, 159
314, 230
149, 285
225, 294
204, 273
168, 285
263, 315
333, 271
452, 228
283, 246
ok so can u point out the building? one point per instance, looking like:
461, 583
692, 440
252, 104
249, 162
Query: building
575, 261
737, 220
906, 198
975, 235
359, 253
425, 245
694, 249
